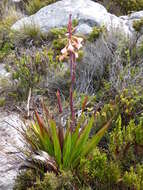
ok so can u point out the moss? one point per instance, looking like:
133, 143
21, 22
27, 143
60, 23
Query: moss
25, 180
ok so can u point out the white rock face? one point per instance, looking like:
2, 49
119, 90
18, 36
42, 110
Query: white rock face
87, 12
9, 139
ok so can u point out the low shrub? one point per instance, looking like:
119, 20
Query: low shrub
6, 42
127, 6
96, 32
134, 177
122, 7
138, 24
33, 6
30, 34
31, 68
65, 180
125, 142
98, 172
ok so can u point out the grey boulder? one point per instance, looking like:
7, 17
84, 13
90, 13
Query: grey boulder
87, 12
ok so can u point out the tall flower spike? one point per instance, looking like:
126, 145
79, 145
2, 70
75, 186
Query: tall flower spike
73, 45
70, 51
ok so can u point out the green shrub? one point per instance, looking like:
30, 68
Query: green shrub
138, 24
134, 178
33, 6
25, 179
125, 143
31, 180
99, 172
28, 33
130, 5
6, 42
125, 6
96, 32
2, 101
29, 69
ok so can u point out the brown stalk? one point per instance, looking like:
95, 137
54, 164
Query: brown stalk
84, 103
61, 136
40, 122
59, 101
46, 110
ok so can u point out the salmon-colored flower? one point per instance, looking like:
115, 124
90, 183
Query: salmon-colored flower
70, 47
74, 43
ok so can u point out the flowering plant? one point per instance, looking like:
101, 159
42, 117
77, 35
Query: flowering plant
57, 147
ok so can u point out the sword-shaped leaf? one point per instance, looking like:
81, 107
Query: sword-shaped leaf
57, 148
67, 150
81, 142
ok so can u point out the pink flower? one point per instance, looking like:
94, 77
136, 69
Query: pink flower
70, 47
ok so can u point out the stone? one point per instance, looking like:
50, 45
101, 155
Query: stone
5, 78
136, 15
129, 19
84, 29
10, 140
88, 13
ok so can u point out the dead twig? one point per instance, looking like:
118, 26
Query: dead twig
28, 102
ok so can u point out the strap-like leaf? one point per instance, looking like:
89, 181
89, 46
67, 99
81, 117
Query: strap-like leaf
57, 148
44, 139
81, 142
67, 150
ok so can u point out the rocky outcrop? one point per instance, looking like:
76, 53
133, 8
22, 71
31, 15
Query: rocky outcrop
10, 139
87, 12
